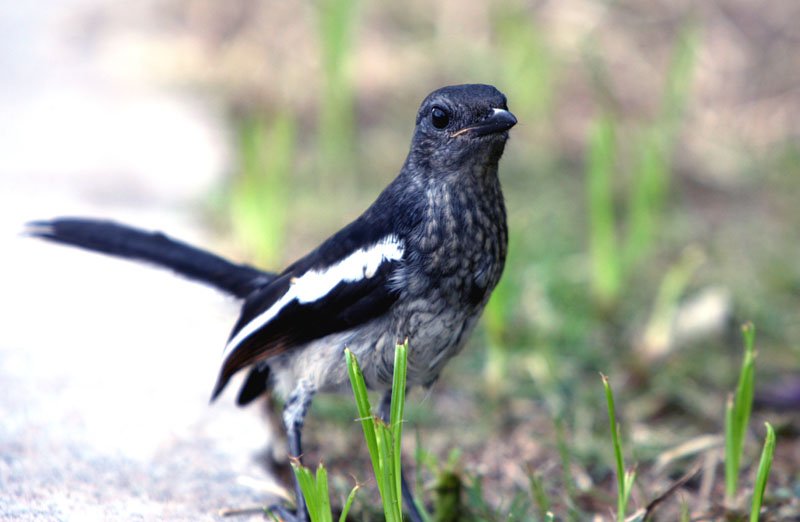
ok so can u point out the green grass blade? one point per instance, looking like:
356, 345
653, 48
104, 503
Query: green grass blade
422, 459
348, 503
603, 249
680, 75
746, 387
391, 503
323, 497
397, 410
566, 468
310, 492
259, 193
685, 515
383, 440
630, 476
650, 183
337, 124
624, 479
525, 61
731, 456
739, 416
651, 174
539, 494
362, 403
673, 286
763, 473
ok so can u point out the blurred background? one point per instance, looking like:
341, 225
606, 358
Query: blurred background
652, 186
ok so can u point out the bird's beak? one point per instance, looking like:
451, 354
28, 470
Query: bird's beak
499, 120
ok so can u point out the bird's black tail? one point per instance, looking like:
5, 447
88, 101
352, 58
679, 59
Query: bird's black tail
153, 247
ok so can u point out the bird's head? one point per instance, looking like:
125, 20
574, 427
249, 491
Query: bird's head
461, 125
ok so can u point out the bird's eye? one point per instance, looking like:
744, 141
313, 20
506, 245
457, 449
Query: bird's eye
439, 117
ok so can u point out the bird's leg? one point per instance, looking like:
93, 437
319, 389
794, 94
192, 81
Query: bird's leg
294, 414
408, 497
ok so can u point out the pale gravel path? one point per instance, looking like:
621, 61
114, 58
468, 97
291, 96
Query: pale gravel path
105, 366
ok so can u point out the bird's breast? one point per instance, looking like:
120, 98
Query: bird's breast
462, 243
458, 258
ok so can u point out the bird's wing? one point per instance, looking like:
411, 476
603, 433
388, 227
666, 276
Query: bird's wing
333, 289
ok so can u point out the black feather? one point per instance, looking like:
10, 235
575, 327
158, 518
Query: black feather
347, 305
362, 233
154, 247
254, 385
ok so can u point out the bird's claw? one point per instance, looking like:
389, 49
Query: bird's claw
283, 514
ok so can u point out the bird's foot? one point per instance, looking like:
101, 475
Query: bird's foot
273, 512
284, 514
241, 511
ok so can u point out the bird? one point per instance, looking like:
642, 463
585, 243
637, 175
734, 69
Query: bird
418, 265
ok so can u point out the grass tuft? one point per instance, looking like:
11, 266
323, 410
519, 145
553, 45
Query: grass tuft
650, 177
737, 415
315, 491
383, 440
539, 494
763, 472
624, 478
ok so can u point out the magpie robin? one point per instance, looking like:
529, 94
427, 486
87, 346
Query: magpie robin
418, 264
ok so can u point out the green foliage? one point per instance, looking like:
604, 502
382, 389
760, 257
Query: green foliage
383, 440
526, 67
763, 473
737, 414
448, 497
621, 252
337, 25
604, 252
685, 515
672, 288
650, 176
566, 466
624, 478
315, 491
496, 318
259, 193
613, 260
539, 494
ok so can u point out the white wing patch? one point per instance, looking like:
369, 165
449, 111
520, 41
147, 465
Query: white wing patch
316, 284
